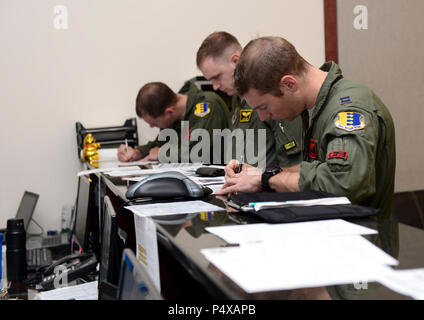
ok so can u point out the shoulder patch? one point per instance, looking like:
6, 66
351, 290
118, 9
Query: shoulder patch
202, 109
349, 121
245, 115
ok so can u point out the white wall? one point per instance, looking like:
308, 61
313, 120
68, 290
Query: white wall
388, 58
92, 71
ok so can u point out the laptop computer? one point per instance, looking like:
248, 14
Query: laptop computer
25, 211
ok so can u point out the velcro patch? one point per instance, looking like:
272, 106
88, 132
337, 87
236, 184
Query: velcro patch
245, 115
349, 121
290, 145
202, 109
313, 149
338, 155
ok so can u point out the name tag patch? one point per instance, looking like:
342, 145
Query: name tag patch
338, 155
202, 109
245, 115
349, 121
290, 145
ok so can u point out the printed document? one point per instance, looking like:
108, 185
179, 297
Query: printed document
261, 232
170, 208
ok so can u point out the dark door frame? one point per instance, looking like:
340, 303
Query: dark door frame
330, 30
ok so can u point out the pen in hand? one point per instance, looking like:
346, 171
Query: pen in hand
126, 145
240, 163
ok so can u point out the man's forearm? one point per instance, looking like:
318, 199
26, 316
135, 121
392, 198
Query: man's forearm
285, 181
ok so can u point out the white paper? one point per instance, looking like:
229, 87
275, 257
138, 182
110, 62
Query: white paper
85, 291
298, 203
170, 208
109, 169
147, 247
407, 282
260, 232
300, 263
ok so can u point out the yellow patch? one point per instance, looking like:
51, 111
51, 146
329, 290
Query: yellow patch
290, 145
202, 109
349, 121
245, 115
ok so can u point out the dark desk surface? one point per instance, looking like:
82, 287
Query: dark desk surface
183, 236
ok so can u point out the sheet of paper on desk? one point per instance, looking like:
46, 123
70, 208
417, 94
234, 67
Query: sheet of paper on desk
117, 163
275, 232
407, 282
109, 169
85, 291
170, 208
300, 263
188, 171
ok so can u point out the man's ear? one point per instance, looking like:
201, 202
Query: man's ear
288, 83
234, 58
170, 110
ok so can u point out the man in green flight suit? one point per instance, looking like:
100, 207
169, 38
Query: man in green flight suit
183, 113
217, 57
349, 136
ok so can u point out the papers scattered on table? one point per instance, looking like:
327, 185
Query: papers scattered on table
170, 208
85, 291
297, 203
407, 282
110, 169
297, 263
298, 255
261, 232
300, 262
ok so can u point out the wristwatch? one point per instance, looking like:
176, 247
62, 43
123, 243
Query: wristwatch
266, 175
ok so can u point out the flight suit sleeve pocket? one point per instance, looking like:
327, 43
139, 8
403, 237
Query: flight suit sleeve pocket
338, 156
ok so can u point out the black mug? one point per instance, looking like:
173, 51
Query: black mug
16, 263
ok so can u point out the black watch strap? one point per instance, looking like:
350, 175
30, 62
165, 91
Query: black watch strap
266, 175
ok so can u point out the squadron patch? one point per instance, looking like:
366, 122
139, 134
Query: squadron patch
202, 109
245, 115
349, 121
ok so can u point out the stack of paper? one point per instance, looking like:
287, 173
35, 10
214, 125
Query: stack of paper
298, 255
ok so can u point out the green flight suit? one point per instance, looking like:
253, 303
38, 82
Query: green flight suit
349, 148
204, 110
283, 138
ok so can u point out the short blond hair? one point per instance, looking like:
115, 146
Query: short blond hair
215, 45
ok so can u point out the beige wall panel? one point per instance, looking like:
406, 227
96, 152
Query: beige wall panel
388, 57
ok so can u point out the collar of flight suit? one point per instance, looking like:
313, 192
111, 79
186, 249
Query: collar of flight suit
334, 75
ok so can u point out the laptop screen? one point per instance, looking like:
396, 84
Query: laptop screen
26, 208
